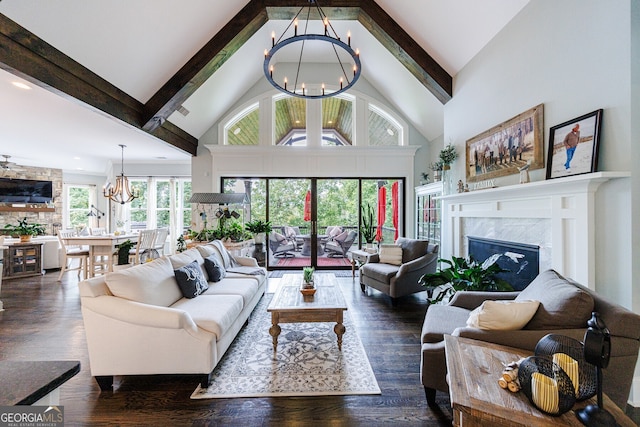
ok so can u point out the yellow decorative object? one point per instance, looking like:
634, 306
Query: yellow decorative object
544, 393
570, 367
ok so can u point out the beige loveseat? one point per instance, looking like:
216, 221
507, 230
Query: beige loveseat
565, 307
138, 322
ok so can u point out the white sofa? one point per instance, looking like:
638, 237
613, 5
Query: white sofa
137, 321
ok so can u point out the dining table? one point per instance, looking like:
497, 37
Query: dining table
102, 245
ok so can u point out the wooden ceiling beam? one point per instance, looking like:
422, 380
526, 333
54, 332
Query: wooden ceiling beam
203, 64
24, 54
406, 50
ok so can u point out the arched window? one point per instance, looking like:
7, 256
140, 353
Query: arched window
290, 120
383, 129
337, 120
244, 128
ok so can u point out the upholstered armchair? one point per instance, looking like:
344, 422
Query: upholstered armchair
399, 277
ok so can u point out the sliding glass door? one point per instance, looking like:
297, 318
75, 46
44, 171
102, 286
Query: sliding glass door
318, 221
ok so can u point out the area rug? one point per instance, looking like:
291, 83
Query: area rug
307, 363
304, 262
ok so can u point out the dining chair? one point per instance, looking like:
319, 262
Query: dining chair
98, 231
144, 248
161, 238
71, 252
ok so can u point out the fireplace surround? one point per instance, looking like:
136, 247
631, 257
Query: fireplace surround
557, 215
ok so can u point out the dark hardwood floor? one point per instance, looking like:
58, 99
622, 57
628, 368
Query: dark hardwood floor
42, 321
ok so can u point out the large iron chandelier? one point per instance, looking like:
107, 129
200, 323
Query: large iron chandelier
349, 73
122, 192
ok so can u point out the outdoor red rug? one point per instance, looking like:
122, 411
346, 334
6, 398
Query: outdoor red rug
304, 262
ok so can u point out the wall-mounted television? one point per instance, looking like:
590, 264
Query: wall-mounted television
13, 190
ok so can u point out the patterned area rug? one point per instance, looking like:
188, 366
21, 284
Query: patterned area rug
307, 363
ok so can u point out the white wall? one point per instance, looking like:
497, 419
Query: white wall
574, 57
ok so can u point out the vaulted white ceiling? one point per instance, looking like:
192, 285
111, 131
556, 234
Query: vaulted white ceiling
139, 45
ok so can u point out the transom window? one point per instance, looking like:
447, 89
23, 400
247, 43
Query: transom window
331, 121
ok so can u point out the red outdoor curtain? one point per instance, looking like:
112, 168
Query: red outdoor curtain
307, 206
382, 211
394, 207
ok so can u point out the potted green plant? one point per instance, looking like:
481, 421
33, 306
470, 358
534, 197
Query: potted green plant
123, 252
181, 244
436, 167
464, 275
259, 229
307, 277
25, 230
367, 230
448, 154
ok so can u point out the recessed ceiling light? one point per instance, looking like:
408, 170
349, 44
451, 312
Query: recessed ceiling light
79, 169
21, 85
76, 158
330, 121
390, 131
297, 121
237, 131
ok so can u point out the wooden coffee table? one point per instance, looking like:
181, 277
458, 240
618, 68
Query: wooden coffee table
477, 400
289, 306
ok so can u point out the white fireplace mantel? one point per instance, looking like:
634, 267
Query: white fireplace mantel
568, 205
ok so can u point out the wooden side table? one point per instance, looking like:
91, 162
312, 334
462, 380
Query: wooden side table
359, 258
477, 400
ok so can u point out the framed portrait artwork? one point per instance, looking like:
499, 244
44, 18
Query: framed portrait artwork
573, 146
508, 148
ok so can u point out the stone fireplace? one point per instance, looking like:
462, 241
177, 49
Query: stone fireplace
556, 215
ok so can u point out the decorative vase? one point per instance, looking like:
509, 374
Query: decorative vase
437, 175
447, 180
258, 253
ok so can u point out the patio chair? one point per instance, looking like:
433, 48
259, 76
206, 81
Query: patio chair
280, 245
293, 234
340, 244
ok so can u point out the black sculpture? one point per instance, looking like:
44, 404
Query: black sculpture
597, 349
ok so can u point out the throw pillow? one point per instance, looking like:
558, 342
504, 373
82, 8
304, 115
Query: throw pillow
149, 283
563, 305
335, 231
502, 315
191, 280
214, 268
390, 254
341, 237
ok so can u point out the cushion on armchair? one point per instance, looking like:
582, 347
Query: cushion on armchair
562, 305
391, 254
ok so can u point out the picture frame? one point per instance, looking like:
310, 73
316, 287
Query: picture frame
566, 159
508, 148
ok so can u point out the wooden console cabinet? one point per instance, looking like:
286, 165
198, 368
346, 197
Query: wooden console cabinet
22, 260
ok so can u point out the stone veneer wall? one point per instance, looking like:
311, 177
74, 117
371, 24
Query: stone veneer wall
46, 218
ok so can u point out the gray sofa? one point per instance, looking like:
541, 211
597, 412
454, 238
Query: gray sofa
418, 258
565, 307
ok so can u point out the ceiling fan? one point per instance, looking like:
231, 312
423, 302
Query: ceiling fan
7, 165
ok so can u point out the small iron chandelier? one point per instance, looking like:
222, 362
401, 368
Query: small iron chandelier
330, 36
122, 192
